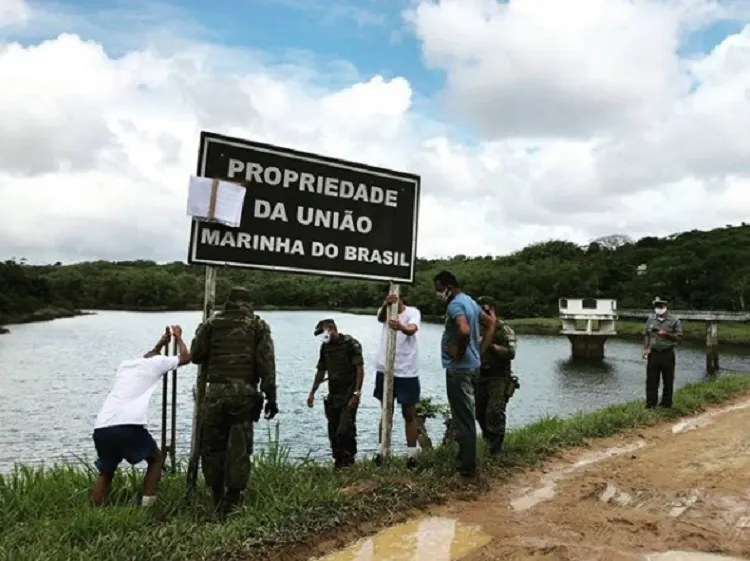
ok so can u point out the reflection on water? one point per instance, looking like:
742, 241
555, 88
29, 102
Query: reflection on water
585, 367
429, 539
54, 377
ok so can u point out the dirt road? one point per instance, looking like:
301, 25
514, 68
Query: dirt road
675, 487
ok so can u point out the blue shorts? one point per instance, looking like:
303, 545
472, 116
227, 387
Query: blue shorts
132, 443
406, 390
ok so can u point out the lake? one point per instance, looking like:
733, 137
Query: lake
55, 375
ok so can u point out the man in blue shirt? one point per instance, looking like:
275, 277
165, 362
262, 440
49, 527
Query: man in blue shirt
461, 351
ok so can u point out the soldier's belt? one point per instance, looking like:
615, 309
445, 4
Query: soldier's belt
231, 381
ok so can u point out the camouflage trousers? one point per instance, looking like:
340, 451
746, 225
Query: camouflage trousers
229, 411
491, 398
342, 429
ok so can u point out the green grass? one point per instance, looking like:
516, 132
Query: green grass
45, 513
694, 331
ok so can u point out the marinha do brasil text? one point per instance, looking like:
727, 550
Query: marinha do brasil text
341, 221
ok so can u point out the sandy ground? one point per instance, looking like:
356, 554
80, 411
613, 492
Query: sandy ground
673, 487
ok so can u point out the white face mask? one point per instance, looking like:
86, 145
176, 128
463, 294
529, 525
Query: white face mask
659, 311
324, 337
443, 296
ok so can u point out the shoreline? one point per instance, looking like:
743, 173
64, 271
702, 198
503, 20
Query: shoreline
731, 334
38, 316
291, 508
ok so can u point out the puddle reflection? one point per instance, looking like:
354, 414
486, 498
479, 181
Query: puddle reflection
430, 539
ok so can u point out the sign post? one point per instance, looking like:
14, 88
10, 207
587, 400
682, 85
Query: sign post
199, 389
304, 213
386, 426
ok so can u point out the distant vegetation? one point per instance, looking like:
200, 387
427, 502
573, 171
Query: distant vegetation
698, 270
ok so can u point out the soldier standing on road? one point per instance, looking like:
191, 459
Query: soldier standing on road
496, 383
341, 357
662, 333
236, 351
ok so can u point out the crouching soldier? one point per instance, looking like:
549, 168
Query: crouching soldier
341, 357
496, 383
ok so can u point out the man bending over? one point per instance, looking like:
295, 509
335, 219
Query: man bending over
120, 428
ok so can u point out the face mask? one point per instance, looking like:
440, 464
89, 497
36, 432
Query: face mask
443, 296
324, 337
659, 311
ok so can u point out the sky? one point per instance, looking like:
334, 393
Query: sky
528, 120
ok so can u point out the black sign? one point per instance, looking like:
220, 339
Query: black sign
307, 213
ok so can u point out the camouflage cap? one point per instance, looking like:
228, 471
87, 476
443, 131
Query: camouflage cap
239, 296
321, 325
487, 301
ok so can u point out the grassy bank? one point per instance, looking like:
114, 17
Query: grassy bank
43, 314
694, 331
45, 513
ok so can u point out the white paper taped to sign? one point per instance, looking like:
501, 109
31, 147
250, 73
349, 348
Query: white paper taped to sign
215, 200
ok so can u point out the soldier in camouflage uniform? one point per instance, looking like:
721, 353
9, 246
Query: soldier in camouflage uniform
236, 351
341, 357
496, 384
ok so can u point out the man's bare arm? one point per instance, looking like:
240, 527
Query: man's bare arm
383, 313
464, 335
489, 335
486, 320
183, 353
319, 376
360, 378
410, 329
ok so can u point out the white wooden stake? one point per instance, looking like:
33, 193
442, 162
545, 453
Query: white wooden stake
390, 361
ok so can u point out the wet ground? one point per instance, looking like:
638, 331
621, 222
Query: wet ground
674, 492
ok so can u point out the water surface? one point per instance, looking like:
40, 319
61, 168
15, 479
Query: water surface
55, 375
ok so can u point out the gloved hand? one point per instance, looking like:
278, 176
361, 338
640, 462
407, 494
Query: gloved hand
271, 410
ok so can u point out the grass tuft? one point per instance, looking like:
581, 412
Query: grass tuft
45, 512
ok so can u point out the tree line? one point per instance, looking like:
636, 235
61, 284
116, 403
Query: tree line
695, 269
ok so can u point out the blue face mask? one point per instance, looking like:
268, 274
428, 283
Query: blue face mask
324, 337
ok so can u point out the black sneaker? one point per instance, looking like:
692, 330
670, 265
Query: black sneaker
378, 460
411, 463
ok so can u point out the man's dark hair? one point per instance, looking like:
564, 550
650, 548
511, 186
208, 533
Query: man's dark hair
446, 278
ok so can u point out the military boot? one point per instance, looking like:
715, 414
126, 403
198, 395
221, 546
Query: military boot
231, 500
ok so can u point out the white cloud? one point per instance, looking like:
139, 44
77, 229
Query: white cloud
13, 13
591, 124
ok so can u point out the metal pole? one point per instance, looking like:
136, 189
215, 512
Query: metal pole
390, 361
173, 438
199, 390
164, 382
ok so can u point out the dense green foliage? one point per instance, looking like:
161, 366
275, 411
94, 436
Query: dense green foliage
46, 513
697, 270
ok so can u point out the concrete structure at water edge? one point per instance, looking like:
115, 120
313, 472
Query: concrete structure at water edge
588, 323
711, 318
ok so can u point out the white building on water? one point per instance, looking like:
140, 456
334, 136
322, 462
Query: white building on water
588, 323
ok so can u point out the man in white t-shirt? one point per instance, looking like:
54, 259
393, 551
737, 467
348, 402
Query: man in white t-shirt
406, 388
120, 429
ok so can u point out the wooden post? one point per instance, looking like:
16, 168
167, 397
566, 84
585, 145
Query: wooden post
164, 394
386, 418
199, 390
173, 438
168, 448
712, 346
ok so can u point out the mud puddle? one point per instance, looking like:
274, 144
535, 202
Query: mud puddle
428, 539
